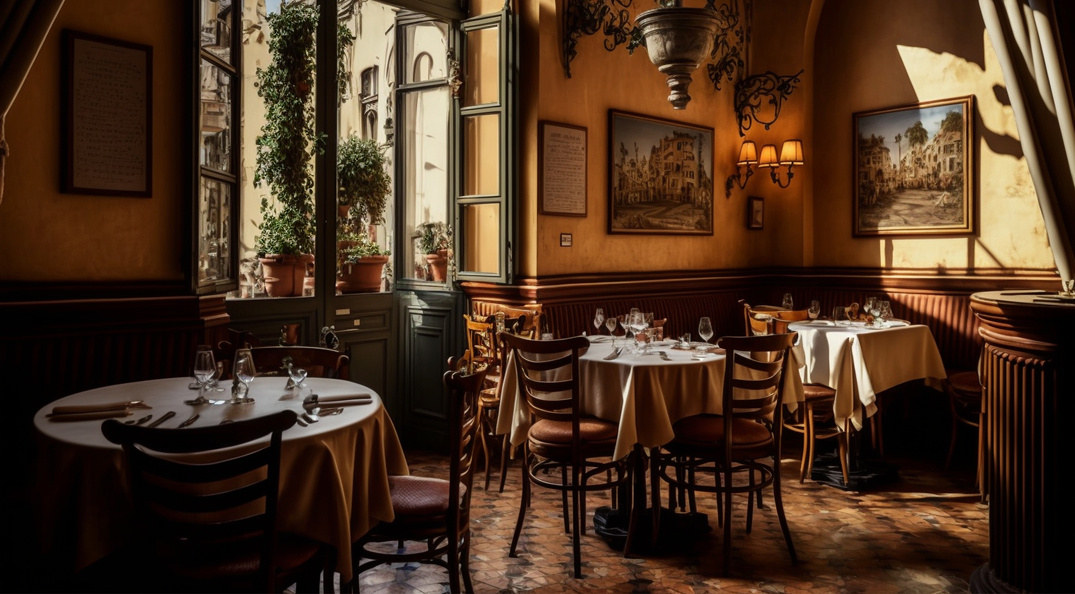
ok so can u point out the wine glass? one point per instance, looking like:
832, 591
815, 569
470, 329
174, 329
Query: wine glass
638, 326
815, 310
599, 319
839, 316
705, 329
884, 313
611, 322
204, 370
788, 302
244, 372
297, 375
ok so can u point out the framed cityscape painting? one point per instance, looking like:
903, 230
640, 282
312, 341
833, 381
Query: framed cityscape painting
660, 176
914, 169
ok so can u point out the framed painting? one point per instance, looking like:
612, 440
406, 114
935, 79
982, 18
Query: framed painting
660, 176
755, 212
914, 169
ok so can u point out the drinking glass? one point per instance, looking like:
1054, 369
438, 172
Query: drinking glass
839, 316
788, 302
204, 370
884, 313
297, 375
244, 372
705, 329
611, 322
599, 319
815, 310
638, 326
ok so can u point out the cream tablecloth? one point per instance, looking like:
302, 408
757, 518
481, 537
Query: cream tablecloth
645, 394
859, 361
334, 473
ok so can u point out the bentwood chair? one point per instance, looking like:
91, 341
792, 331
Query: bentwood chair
205, 500
433, 514
741, 447
565, 450
317, 361
965, 403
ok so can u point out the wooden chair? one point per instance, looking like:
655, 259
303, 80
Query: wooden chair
210, 526
965, 403
741, 441
435, 511
565, 450
317, 361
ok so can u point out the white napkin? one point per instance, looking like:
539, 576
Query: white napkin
599, 338
90, 416
115, 407
346, 398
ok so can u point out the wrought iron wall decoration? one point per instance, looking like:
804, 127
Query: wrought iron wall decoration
587, 17
758, 98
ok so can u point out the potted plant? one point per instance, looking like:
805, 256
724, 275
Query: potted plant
285, 241
362, 198
361, 266
435, 241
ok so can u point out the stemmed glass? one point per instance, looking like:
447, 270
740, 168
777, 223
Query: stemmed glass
884, 313
705, 330
244, 372
815, 310
638, 325
788, 302
204, 370
599, 319
611, 322
839, 316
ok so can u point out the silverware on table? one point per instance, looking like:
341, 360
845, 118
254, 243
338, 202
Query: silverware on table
162, 418
189, 421
139, 421
615, 353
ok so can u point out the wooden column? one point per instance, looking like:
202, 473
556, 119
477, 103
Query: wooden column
1027, 370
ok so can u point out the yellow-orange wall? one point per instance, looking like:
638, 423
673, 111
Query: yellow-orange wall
864, 54
46, 235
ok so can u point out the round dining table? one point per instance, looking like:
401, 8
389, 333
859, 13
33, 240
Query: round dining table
333, 472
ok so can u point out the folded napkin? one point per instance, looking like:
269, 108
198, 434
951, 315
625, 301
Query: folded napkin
599, 338
93, 408
346, 399
90, 416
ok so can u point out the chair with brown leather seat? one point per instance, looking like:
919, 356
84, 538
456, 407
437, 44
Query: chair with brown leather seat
205, 501
740, 441
434, 511
964, 391
565, 450
317, 361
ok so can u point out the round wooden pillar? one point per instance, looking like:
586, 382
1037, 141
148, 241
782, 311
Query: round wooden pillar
1028, 374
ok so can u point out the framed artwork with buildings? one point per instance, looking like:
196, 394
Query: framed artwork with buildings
914, 169
660, 176
755, 212
106, 116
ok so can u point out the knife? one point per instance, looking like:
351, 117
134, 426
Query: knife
189, 421
163, 418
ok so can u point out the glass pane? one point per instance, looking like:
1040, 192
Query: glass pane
483, 67
424, 138
425, 52
217, 19
481, 246
481, 168
214, 221
216, 118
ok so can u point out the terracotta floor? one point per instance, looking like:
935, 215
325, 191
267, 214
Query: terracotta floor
925, 532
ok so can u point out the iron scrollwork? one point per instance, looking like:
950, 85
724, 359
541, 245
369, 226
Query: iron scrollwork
587, 17
749, 95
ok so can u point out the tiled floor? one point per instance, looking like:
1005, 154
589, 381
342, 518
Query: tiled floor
926, 532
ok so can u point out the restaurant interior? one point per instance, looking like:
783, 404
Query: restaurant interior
550, 159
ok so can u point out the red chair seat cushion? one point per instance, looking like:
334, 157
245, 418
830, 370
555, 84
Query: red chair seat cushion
418, 498
707, 431
552, 439
965, 382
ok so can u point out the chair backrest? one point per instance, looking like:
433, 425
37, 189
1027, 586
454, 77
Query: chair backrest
531, 320
317, 361
207, 492
547, 372
769, 319
463, 427
753, 375
481, 338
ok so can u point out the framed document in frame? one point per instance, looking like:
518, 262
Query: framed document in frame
562, 169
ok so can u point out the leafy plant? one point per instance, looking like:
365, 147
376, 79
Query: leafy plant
434, 237
362, 173
287, 141
362, 248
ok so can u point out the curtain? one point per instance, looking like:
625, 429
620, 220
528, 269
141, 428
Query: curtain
1025, 41
23, 28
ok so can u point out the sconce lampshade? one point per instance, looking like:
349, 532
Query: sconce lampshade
748, 154
768, 156
791, 153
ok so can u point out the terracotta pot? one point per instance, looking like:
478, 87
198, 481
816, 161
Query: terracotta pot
279, 274
343, 211
438, 265
363, 276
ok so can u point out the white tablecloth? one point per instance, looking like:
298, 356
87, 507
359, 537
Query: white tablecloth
334, 473
645, 394
859, 361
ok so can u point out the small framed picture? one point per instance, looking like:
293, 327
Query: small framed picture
755, 212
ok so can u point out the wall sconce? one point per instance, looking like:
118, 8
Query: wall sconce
791, 154
748, 156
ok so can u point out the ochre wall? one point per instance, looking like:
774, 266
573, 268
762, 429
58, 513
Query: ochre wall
878, 54
46, 235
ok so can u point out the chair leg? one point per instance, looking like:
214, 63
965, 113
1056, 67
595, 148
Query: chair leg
505, 452
464, 557
808, 445
453, 566
780, 513
841, 450
983, 488
576, 512
524, 501
727, 544
563, 497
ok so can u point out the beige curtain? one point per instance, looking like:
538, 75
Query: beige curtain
1025, 41
25, 24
